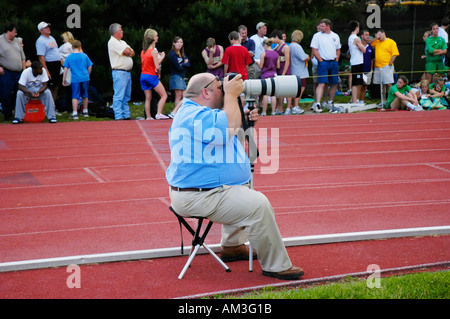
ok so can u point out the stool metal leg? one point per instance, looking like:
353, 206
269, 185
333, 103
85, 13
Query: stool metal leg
191, 257
250, 258
194, 252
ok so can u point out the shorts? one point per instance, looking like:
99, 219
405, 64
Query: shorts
80, 89
357, 74
435, 67
328, 72
176, 82
148, 81
384, 75
55, 72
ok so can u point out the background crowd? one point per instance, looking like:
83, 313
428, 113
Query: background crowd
287, 45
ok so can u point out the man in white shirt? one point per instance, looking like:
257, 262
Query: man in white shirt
443, 34
121, 59
326, 47
357, 51
33, 84
259, 38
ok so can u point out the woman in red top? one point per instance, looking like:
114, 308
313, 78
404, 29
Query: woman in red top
151, 73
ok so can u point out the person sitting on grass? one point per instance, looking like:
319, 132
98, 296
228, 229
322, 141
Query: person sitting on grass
437, 92
400, 96
427, 99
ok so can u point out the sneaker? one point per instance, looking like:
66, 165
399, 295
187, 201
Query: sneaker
161, 117
317, 108
17, 121
171, 115
73, 116
263, 114
85, 114
297, 110
53, 121
288, 111
278, 113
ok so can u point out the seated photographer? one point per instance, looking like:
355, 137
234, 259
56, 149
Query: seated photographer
209, 175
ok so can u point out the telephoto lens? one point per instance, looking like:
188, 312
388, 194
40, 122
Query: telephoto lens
278, 86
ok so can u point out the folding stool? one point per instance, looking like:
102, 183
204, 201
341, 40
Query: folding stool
198, 240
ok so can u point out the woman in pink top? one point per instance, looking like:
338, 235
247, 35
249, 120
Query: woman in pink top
150, 74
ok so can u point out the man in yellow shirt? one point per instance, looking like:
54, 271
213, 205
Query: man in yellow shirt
386, 52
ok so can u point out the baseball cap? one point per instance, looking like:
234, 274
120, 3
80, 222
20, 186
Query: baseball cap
43, 25
260, 25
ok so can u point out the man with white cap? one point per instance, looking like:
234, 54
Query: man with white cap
259, 38
48, 54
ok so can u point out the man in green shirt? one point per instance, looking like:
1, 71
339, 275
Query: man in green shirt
435, 50
400, 96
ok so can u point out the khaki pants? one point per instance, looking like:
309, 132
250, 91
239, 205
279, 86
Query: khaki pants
244, 213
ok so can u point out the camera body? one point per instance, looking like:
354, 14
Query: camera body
278, 86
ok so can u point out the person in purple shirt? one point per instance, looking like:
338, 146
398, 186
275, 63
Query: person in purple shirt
269, 63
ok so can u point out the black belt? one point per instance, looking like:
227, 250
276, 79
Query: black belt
121, 70
191, 189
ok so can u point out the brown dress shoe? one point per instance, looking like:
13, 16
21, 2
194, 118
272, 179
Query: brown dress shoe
292, 273
235, 253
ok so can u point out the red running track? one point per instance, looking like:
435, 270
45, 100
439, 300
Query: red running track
98, 187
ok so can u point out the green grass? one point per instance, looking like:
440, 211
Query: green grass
426, 285
137, 110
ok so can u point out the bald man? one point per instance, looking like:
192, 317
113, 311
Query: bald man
209, 175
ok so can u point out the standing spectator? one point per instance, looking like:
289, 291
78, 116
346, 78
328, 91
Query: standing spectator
368, 64
151, 72
212, 55
443, 34
285, 67
269, 63
121, 60
357, 51
33, 84
236, 58
386, 52
65, 49
259, 38
48, 54
12, 63
81, 67
178, 64
254, 72
326, 47
436, 49
299, 67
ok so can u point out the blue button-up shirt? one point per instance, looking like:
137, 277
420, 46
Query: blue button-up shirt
202, 153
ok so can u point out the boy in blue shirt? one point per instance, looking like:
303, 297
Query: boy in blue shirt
80, 66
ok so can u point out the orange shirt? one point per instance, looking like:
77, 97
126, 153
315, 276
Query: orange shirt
148, 64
